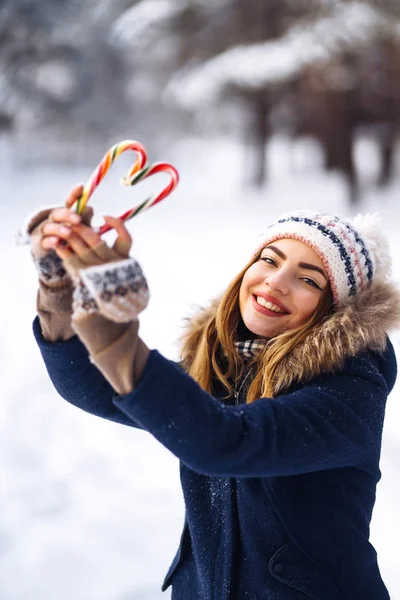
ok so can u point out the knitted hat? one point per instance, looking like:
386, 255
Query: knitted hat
354, 252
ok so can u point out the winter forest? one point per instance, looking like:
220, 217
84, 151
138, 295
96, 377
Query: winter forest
263, 106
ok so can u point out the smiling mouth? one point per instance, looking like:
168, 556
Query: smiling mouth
268, 308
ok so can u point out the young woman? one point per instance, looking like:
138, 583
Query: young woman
275, 411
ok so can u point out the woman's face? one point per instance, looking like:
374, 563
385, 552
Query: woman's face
281, 290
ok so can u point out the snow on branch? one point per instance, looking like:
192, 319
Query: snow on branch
136, 25
268, 63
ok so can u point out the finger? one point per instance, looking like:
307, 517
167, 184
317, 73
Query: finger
50, 242
77, 244
63, 251
74, 195
64, 215
90, 237
119, 226
57, 234
123, 244
54, 234
58, 229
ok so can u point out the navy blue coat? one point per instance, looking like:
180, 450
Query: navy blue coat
278, 493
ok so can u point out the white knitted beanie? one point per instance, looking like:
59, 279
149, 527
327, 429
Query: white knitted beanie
354, 252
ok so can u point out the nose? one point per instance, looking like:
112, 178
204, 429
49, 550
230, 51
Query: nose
278, 281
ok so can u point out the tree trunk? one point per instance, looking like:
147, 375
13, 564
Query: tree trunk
259, 133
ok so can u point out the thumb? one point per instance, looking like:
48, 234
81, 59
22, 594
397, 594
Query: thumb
123, 243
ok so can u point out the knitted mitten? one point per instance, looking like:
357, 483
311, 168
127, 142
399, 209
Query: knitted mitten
97, 296
114, 348
48, 265
120, 292
107, 280
54, 298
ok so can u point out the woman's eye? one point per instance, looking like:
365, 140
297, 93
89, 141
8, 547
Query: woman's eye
311, 282
269, 260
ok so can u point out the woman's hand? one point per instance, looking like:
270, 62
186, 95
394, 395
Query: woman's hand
76, 243
49, 265
65, 247
56, 227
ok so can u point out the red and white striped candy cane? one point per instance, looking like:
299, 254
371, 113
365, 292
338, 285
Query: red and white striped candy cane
148, 171
138, 172
104, 166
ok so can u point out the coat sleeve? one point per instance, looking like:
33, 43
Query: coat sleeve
77, 380
332, 423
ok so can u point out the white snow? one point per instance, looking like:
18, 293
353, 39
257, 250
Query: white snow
92, 510
258, 65
56, 78
135, 26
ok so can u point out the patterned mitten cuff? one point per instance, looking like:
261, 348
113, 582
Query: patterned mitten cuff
83, 302
48, 265
50, 269
119, 289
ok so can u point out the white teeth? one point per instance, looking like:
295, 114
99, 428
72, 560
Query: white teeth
269, 305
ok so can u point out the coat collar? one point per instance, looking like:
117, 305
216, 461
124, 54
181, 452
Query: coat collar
363, 324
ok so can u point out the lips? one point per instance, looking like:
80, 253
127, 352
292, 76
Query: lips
266, 311
273, 300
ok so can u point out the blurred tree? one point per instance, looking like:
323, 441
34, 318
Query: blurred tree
264, 52
304, 59
89, 68
58, 68
166, 39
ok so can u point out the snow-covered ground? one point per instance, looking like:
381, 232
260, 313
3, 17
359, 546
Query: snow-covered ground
91, 510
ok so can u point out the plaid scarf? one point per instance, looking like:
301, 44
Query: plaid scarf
250, 348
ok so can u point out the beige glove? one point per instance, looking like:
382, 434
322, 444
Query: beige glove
100, 278
54, 298
115, 349
110, 279
49, 266
117, 285
120, 291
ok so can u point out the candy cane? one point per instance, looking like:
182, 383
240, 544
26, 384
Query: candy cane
138, 172
160, 167
104, 166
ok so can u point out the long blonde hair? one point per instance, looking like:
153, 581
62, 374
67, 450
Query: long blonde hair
209, 355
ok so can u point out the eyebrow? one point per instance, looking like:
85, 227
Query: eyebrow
302, 265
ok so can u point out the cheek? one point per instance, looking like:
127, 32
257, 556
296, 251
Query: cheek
243, 292
249, 279
251, 276
306, 303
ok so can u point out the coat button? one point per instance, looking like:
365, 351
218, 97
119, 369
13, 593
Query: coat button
279, 568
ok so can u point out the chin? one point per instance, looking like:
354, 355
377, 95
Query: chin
260, 325
257, 331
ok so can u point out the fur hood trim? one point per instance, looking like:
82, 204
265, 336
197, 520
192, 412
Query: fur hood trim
362, 324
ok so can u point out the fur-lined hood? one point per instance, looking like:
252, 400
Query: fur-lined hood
361, 324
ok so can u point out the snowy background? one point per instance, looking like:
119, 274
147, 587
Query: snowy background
91, 510
229, 91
